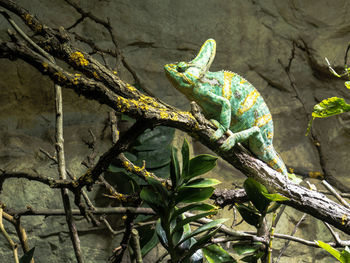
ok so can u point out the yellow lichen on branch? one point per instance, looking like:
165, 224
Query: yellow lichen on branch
76, 79
78, 58
29, 20
60, 76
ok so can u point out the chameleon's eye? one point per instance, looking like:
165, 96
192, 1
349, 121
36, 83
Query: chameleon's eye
181, 67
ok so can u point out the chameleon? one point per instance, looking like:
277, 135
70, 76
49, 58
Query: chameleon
230, 102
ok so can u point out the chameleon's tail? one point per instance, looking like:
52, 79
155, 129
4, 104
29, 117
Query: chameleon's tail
274, 160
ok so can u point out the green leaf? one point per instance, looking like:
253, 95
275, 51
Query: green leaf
345, 255
335, 253
191, 207
255, 192
275, 197
244, 248
202, 182
347, 84
329, 107
161, 234
216, 254
185, 151
189, 195
273, 207
203, 228
174, 167
27, 257
153, 139
251, 258
154, 200
200, 165
248, 214
152, 242
160, 189
198, 244
190, 219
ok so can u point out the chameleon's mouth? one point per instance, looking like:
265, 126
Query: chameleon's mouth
169, 68
171, 73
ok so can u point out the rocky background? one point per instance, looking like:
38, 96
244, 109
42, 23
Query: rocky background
279, 46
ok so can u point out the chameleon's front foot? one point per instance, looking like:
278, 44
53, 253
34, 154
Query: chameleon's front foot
229, 143
219, 132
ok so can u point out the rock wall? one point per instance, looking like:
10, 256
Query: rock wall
279, 46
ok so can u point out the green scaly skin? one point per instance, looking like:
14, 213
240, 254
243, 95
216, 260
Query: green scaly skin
230, 102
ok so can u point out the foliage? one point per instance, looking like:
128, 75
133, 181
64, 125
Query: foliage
331, 106
27, 257
343, 256
186, 193
261, 203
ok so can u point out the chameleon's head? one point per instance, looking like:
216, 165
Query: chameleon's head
184, 75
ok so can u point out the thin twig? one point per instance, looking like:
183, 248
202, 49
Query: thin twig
292, 234
332, 190
62, 173
114, 128
97, 211
21, 232
13, 245
71, 176
108, 27
135, 244
59, 142
334, 234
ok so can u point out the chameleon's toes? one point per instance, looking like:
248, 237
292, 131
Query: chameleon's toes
217, 135
228, 144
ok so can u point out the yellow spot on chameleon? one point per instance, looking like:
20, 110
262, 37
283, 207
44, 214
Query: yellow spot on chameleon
78, 58
226, 90
270, 135
263, 120
248, 102
272, 162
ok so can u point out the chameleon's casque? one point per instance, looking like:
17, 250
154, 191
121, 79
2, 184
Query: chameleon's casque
230, 102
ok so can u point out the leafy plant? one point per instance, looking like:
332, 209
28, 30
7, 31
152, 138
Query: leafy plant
331, 106
27, 257
341, 256
261, 203
186, 193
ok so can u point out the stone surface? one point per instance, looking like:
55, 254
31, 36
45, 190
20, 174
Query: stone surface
257, 39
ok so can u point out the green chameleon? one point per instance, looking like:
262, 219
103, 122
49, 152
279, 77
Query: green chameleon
230, 102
